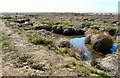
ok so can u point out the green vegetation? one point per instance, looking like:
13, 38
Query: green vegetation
39, 40
35, 38
56, 23
82, 69
26, 59
6, 17
109, 28
22, 60
63, 52
105, 27
37, 22
38, 66
100, 73
5, 43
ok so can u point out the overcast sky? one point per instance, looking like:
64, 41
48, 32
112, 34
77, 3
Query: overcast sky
59, 6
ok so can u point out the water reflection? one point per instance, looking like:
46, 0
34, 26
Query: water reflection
80, 44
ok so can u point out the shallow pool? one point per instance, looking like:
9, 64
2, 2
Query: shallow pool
80, 44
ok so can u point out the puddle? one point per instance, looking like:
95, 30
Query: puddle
80, 43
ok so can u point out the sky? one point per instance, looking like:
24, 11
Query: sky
80, 6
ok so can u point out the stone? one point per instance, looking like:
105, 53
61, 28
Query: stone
112, 32
57, 29
64, 43
69, 31
102, 42
79, 32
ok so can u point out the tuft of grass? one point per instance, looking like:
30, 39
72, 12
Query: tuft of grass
56, 23
37, 66
25, 58
35, 38
88, 71
40, 40
109, 27
100, 73
5, 44
63, 52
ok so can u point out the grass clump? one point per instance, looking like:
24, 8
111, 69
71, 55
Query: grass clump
56, 23
100, 73
37, 66
5, 44
40, 40
35, 38
26, 59
63, 52
109, 28
23, 60
85, 70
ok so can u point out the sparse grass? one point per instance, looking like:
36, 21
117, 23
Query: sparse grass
63, 52
38, 22
35, 38
37, 66
40, 40
6, 46
26, 59
81, 69
6, 17
23, 60
56, 23
5, 43
109, 27
100, 73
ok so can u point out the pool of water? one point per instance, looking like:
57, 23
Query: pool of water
80, 44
